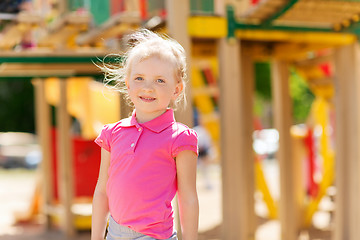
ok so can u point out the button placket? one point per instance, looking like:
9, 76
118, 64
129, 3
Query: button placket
133, 144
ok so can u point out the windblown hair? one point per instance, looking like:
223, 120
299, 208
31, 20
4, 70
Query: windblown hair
142, 45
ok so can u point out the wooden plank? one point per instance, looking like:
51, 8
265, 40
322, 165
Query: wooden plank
329, 38
178, 12
37, 73
283, 121
347, 214
74, 68
65, 163
79, 67
63, 55
42, 114
237, 154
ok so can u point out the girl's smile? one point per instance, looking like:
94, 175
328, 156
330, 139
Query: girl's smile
147, 99
152, 86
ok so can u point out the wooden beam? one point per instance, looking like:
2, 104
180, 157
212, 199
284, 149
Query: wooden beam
236, 97
13, 35
46, 55
296, 51
63, 31
283, 121
37, 73
60, 38
74, 68
30, 18
347, 214
65, 163
118, 24
42, 115
178, 13
328, 58
335, 39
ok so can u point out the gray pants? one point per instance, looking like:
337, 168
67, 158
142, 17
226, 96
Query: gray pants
117, 232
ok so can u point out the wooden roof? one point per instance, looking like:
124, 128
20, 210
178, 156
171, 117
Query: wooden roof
331, 15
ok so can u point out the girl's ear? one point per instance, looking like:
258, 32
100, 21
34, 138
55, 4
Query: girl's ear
127, 83
178, 89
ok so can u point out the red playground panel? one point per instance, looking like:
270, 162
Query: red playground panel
86, 164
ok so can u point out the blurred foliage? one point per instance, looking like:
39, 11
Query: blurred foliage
300, 93
17, 106
263, 80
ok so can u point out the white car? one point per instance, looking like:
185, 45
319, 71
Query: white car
19, 149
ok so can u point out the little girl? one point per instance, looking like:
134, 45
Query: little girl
148, 157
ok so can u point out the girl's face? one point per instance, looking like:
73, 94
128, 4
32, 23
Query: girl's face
152, 86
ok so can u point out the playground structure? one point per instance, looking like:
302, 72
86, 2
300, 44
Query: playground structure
223, 51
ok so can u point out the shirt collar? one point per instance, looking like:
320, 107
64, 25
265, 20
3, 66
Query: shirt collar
156, 125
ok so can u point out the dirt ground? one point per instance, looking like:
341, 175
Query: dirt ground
17, 187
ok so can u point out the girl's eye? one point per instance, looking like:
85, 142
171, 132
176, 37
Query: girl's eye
160, 80
139, 78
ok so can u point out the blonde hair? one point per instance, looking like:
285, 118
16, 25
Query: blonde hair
144, 44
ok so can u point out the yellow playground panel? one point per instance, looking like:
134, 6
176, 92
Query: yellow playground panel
91, 102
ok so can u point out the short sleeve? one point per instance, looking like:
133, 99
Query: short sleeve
104, 138
186, 140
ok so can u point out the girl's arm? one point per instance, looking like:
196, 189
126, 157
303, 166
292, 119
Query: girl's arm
100, 207
187, 196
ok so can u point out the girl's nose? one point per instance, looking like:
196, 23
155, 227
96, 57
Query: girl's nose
148, 86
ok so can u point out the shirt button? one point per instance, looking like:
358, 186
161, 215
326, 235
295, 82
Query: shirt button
132, 145
139, 129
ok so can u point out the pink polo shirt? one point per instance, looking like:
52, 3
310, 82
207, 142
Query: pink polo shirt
142, 174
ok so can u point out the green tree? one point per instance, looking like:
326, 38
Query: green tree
301, 96
17, 106
300, 93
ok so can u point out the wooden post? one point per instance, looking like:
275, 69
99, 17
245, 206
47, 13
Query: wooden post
354, 125
347, 212
125, 109
65, 163
63, 7
236, 108
42, 116
178, 13
282, 106
298, 152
